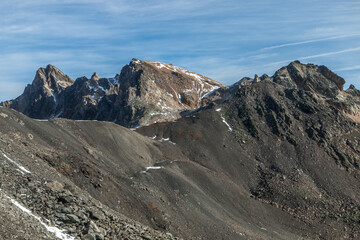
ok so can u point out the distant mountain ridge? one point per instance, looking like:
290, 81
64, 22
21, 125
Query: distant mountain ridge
309, 77
144, 92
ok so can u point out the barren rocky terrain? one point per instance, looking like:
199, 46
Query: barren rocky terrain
266, 158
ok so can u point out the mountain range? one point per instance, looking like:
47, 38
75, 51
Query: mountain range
143, 93
176, 155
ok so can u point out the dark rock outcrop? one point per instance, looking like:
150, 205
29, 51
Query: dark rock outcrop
319, 80
310, 77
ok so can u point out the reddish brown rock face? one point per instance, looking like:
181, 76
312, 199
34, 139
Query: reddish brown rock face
166, 88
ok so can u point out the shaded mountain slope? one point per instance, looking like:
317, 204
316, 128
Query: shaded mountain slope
110, 162
286, 148
42, 166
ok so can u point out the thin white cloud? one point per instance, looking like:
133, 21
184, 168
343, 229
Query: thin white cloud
318, 55
331, 53
351, 68
218, 39
310, 41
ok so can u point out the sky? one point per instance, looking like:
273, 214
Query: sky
225, 40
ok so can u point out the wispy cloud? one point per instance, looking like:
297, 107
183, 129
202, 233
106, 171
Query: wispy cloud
310, 41
351, 68
223, 39
348, 50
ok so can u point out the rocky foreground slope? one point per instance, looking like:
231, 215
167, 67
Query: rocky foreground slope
267, 158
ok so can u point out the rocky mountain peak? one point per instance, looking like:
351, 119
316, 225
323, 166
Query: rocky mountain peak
161, 91
95, 76
145, 92
310, 77
339, 81
40, 99
52, 78
179, 81
321, 82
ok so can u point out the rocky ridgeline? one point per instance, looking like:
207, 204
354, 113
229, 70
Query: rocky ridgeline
319, 80
65, 206
145, 92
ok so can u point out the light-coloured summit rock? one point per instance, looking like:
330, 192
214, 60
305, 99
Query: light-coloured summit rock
40, 99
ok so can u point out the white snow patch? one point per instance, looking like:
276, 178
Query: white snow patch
153, 137
223, 119
166, 66
54, 96
102, 89
166, 140
194, 75
21, 168
212, 90
95, 90
218, 110
91, 87
58, 232
134, 128
58, 115
63, 84
152, 168
85, 120
161, 66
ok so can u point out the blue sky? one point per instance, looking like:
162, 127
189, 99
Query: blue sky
225, 40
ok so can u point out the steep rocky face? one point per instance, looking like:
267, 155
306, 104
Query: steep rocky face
90, 99
143, 93
310, 77
160, 91
40, 99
